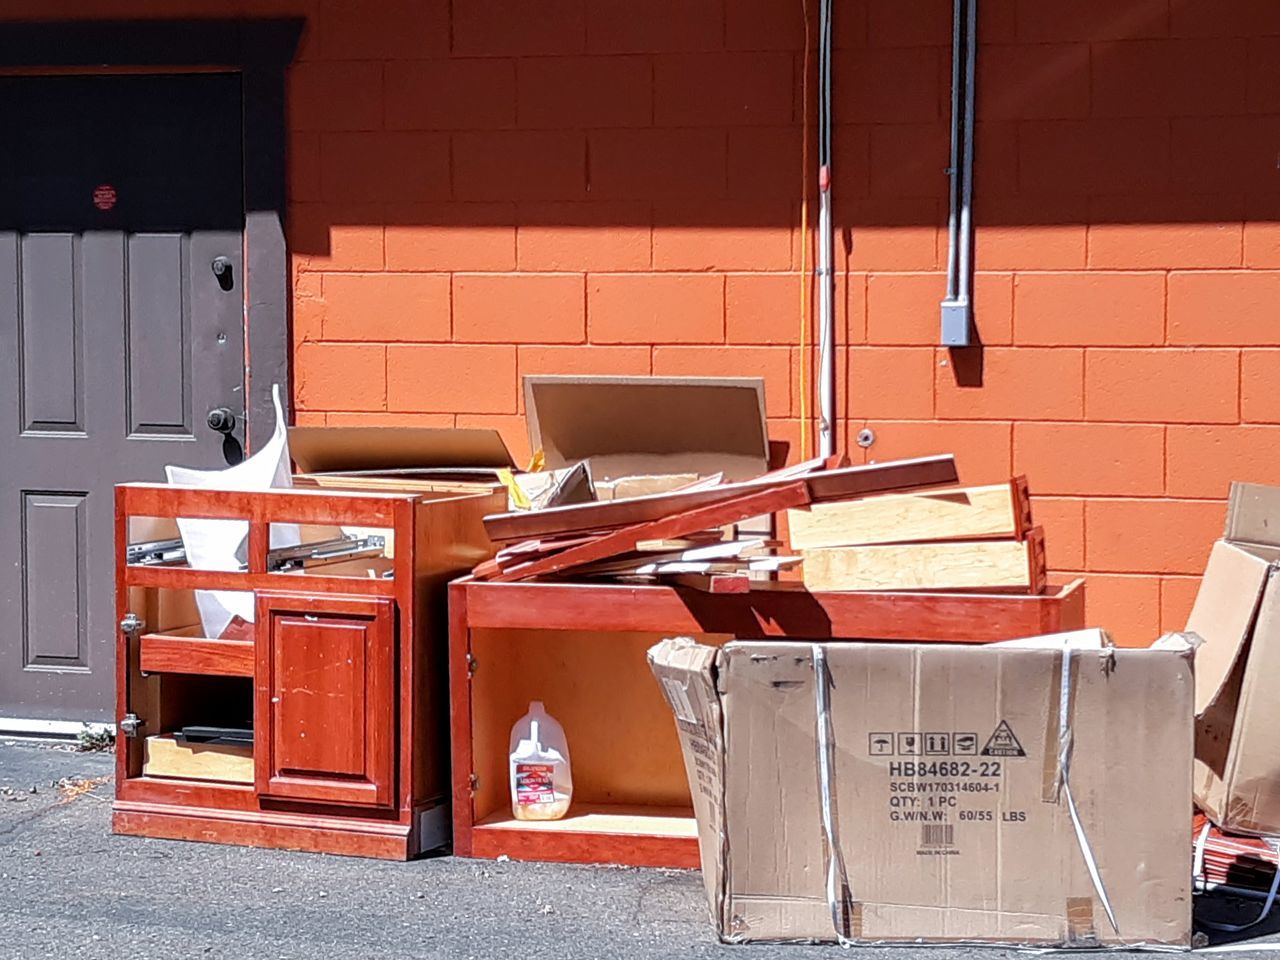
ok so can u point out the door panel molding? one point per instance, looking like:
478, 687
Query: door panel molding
260, 50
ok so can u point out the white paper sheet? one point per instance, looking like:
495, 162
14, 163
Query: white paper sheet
213, 544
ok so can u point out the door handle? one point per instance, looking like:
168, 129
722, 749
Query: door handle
221, 267
221, 419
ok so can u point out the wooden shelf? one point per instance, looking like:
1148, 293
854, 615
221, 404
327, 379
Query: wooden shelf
604, 818
599, 833
186, 651
933, 617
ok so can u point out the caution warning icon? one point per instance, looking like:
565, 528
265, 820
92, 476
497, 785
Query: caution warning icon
1003, 743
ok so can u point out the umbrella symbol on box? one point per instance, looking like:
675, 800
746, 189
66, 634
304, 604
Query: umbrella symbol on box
881, 745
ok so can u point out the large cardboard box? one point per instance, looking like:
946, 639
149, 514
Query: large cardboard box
1237, 613
1031, 793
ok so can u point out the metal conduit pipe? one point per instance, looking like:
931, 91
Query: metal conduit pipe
957, 307
826, 242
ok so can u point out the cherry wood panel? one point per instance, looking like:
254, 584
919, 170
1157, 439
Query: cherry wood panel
933, 617
325, 664
162, 653
293, 505
390, 841
184, 578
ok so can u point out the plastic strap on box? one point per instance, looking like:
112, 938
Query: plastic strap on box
839, 891
1064, 773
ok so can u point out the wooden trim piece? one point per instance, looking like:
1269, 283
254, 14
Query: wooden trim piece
302, 505
719, 514
163, 653
942, 565
933, 617
995, 511
632, 850
460, 718
309, 834
829, 485
184, 578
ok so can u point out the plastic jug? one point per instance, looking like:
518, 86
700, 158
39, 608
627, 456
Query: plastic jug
541, 782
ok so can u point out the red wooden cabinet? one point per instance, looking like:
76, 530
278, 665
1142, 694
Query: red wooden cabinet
580, 648
324, 704
339, 668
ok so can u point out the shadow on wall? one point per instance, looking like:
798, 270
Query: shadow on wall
1125, 112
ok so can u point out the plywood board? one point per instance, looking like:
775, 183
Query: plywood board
954, 565
163, 756
607, 818
827, 485
964, 513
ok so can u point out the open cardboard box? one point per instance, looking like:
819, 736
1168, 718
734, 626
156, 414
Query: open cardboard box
1237, 613
415, 459
645, 435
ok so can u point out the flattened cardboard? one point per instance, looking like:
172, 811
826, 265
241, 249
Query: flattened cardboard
1253, 514
334, 449
946, 791
1237, 614
626, 426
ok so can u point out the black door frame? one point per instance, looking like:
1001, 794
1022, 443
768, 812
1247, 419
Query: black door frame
260, 51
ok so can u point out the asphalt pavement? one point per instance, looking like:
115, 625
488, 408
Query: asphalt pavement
69, 889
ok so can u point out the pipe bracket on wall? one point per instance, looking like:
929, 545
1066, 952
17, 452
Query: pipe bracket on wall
957, 307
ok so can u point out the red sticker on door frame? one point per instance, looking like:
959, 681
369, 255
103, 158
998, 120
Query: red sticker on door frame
104, 196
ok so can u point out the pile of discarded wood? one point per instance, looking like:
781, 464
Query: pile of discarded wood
678, 536
964, 538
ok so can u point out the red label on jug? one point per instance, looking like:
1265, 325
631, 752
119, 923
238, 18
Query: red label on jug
533, 783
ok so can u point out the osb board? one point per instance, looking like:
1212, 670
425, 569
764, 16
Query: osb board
622, 741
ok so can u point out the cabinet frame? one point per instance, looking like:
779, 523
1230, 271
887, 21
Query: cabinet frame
438, 535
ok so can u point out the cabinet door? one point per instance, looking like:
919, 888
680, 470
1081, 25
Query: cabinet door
325, 707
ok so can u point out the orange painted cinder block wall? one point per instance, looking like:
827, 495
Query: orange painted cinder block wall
488, 188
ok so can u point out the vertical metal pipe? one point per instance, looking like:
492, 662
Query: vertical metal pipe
957, 307
826, 242
953, 167
965, 238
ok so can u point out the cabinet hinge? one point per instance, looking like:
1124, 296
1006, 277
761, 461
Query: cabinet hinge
472, 665
132, 624
129, 724
475, 782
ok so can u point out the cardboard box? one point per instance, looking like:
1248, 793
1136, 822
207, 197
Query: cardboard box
421, 459
933, 773
1237, 613
649, 434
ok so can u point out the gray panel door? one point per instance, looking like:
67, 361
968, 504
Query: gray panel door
117, 194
